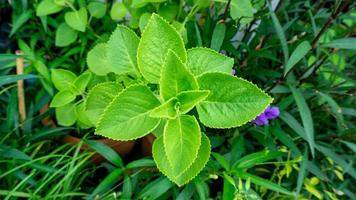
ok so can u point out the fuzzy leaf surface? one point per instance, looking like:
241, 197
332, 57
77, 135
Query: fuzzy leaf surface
97, 60
232, 101
189, 99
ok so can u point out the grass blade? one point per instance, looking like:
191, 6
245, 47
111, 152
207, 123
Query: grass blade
302, 49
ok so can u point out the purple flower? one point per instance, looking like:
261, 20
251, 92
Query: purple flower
271, 112
233, 72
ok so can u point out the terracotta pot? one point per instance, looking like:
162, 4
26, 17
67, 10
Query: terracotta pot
121, 147
146, 144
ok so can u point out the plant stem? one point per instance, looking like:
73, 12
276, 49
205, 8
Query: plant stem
226, 10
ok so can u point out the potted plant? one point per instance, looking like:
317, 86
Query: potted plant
160, 87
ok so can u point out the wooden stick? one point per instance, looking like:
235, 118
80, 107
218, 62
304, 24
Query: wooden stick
20, 87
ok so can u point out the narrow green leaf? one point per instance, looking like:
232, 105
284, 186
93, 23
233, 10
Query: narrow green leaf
218, 36
228, 188
222, 161
20, 20
122, 50
131, 106
6, 79
253, 159
232, 101
262, 182
181, 140
157, 38
107, 152
306, 116
302, 171
175, 77
168, 109
343, 43
302, 49
155, 189
107, 183
201, 60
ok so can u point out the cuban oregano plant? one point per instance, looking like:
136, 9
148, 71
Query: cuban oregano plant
158, 84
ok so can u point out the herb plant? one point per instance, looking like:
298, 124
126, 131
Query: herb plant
169, 82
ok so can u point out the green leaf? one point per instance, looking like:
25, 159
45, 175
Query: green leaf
13, 78
77, 19
81, 115
241, 9
107, 183
306, 116
131, 106
65, 35
180, 179
155, 189
299, 53
82, 81
232, 101
98, 61
142, 3
47, 7
62, 98
302, 170
181, 140
42, 69
107, 152
189, 99
201, 60
262, 182
175, 77
63, 79
65, 115
343, 43
118, 11
168, 109
157, 38
218, 36
253, 159
122, 50
97, 9
20, 20
99, 98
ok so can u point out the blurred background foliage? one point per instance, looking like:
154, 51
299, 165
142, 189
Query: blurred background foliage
301, 52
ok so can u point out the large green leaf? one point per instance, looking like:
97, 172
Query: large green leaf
201, 60
157, 38
98, 61
232, 101
63, 79
180, 178
65, 35
175, 77
77, 19
122, 50
99, 98
181, 140
127, 116
47, 7
189, 99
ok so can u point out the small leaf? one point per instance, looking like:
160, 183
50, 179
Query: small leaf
20, 20
181, 178
97, 9
118, 11
218, 36
81, 115
62, 98
122, 50
201, 60
256, 158
167, 110
82, 81
157, 38
98, 61
65, 115
47, 7
242, 10
181, 140
131, 106
189, 99
107, 183
77, 19
343, 43
175, 77
232, 101
65, 35
99, 98
299, 53
63, 79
